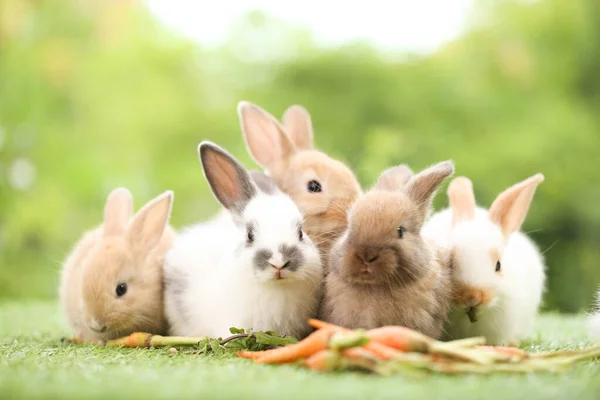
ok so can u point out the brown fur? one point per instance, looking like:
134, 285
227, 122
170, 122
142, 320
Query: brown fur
378, 278
130, 253
472, 296
289, 157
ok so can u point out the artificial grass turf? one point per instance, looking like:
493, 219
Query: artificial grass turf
36, 364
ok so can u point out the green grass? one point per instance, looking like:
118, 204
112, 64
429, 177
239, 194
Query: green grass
36, 364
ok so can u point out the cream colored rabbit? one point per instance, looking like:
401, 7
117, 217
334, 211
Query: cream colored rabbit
112, 282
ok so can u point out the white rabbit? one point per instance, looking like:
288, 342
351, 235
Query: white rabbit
250, 267
498, 272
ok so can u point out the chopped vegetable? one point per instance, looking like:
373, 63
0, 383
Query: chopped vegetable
313, 343
324, 360
386, 350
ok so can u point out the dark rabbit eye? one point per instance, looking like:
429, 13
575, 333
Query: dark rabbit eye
498, 266
250, 235
300, 234
121, 289
401, 232
314, 187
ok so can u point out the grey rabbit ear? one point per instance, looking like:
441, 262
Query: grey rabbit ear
422, 187
394, 178
265, 183
228, 179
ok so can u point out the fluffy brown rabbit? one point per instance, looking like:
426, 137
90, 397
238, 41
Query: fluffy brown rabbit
322, 188
112, 282
382, 271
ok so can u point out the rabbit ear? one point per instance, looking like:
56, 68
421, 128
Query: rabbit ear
228, 179
422, 186
511, 206
394, 178
148, 225
264, 182
462, 200
297, 124
117, 211
265, 138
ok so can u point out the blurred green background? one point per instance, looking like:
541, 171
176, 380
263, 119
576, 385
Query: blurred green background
99, 94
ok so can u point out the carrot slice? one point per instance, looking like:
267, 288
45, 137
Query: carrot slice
324, 360
400, 338
508, 351
312, 344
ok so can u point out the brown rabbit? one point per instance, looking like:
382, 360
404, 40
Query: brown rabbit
322, 188
112, 282
382, 272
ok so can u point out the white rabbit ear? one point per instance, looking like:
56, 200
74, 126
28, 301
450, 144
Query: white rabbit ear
228, 179
148, 225
462, 200
298, 125
117, 211
423, 186
394, 178
511, 206
265, 138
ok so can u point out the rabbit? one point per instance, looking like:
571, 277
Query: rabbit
112, 282
322, 188
382, 272
251, 267
498, 271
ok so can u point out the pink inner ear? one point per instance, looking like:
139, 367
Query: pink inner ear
265, 137
462, 200
117, 212
511, 206
225, 174
298, 126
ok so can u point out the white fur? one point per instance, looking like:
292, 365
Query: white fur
594, 320
517, 291
212, 284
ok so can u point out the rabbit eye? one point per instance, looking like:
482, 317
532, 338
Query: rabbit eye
121, 289
300, 234
498, 266
314, 187
400, 232
250, 235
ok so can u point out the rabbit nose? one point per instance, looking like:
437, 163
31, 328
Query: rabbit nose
368, 255
278, 262
97, 326
473, 300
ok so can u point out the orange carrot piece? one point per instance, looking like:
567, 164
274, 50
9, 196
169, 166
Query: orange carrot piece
381, 351
358, 353
313, 343
318, 324
400, 338
508, 351
136, 339
324, 360
395, 337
